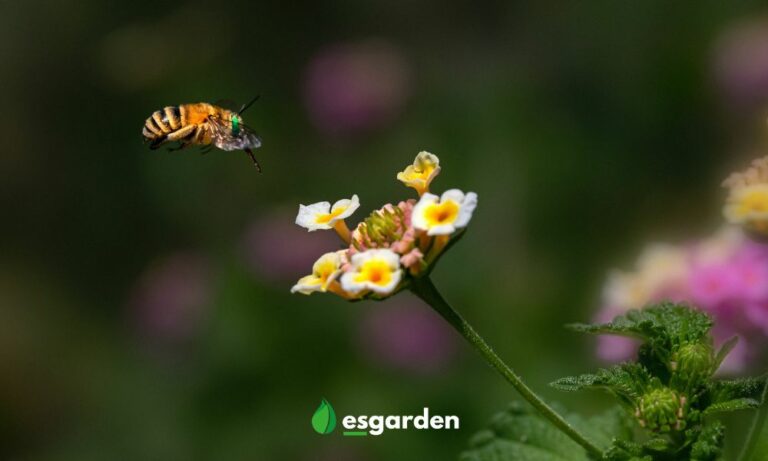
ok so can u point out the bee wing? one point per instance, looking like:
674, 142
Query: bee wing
224, 139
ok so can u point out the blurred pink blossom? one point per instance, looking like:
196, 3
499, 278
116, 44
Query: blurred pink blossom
726, 276
356, 87
407, 335
169, 300
277, 250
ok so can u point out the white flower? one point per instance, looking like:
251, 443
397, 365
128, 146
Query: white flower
325, 270
425, 168
376, 270
443, 215
322, 215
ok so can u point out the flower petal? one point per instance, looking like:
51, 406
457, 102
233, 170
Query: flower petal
322, 216
444, 215
375, 270
420, 174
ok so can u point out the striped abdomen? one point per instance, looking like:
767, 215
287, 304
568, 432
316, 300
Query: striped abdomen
163, 122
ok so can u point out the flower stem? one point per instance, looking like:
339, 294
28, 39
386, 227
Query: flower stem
757, 426
425, 289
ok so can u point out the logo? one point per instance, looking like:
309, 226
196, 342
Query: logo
324, 422
324, 419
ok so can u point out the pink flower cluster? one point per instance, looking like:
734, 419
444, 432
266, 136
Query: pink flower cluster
726, 276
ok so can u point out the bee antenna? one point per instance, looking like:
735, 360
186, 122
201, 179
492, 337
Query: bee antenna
246, 106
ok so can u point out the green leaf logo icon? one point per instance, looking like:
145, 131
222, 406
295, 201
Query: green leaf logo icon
324, 419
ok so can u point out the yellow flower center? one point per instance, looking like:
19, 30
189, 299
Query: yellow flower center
419, 173
375, 271
325, 270
442, 213
756, 202
326, 218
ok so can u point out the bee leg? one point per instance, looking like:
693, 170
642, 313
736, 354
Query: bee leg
256, 163
206, 149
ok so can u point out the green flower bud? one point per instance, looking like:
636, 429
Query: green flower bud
661, 410
692, 363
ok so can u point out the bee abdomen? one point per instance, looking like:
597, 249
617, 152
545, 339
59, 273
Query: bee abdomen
163, 122
172, 117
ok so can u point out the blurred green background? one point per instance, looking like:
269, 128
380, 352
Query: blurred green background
144, 296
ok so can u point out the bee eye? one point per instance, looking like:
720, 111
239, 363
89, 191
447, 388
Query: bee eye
235, 125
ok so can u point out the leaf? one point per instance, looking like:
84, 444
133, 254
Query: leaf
324, 419
744, 388
709, 443
627, 380
519, 433
725, 349
731, 405
666, 321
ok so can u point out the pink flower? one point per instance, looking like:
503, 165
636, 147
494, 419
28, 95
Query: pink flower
757, 314
751, 279
725, 276
712, 285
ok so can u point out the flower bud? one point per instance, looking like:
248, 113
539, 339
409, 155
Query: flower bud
661, 410
692, 363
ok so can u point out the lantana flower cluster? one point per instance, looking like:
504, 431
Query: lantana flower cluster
393, 244
747, 203
725, 275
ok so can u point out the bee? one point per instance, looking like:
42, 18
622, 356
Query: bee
201, 124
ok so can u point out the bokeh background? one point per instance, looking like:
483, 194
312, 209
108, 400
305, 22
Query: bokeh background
144, 296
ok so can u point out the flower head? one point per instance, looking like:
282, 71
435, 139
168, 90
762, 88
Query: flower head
395, 244
724, 275
747, 203
324, 272
376, 270
322, 215
425, 168
444, 215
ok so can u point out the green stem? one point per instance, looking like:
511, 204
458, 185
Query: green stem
425, 289
757, 426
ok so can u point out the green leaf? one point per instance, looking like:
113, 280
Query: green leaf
627, 380
324, 419
731, 405
709, 442
674, 321
744, 388
519, 433
725, 349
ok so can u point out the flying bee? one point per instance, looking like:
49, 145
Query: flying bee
202, 124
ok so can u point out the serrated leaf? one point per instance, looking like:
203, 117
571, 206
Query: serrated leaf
744, 388
324, 418
519, 433
731, 405
709, 443
626, 380
675, 321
